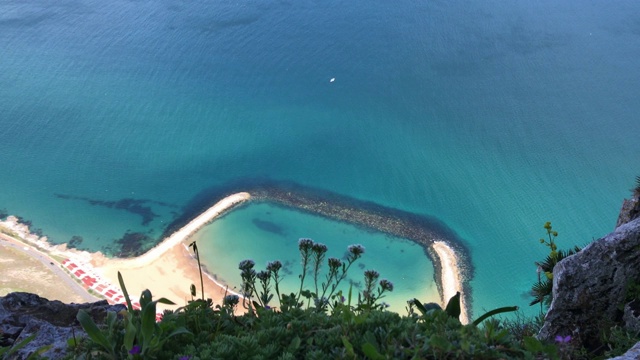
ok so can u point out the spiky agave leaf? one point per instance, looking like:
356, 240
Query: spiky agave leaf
637, 183
549, 262
541, 290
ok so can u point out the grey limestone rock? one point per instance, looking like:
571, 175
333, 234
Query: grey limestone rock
53, 322
631, 354
630, 209
589, 287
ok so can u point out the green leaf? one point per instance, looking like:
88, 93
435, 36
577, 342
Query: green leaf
165, 301
532, 344
129, 335
36, 354
453, 306
371, 352
418, 304
178, 331
439, 342
71, 342
361, 318
148, 324
111, 319
348, 347
494, 312
145, 298
295, 344
124, 292
94, 333
18, 346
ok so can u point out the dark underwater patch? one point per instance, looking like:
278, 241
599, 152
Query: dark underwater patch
135, 206
268, 226
131, 244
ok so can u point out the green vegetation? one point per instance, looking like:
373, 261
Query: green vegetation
542, 290
317, 322
137, 333
616, 339
320, 322
7, 351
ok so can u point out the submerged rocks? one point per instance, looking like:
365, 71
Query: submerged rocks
589, 288
53, 322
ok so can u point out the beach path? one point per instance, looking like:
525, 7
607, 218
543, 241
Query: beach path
26, 269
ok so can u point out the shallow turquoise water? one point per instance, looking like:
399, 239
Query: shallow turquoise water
263, 233
492, 117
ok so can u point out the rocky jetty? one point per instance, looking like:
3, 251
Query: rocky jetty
52, 322
423, 230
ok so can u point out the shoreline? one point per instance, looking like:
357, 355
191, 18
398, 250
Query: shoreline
167, 270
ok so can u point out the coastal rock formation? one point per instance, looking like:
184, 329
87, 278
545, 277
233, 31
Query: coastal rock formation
53, 322
630, 209
589, 288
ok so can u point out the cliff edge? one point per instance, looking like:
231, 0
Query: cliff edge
591, 289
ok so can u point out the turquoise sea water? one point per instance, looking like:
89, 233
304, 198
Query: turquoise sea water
492, 117
263, 233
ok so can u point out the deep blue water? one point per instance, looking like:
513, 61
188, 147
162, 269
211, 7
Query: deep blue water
492, 117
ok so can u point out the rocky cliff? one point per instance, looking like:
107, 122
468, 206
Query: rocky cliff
592, 289
53, 323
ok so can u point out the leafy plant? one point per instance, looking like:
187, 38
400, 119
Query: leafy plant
543, 288
139, 334
331, 325
453, 309
521, 326
619, 340
6, 351
104, 338
258, 284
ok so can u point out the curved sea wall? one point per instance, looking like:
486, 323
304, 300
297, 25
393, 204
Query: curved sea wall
451, 259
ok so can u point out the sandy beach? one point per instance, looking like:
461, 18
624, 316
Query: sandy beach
169, 269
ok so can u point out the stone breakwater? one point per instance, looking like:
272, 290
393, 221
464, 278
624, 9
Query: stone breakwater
425, 231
